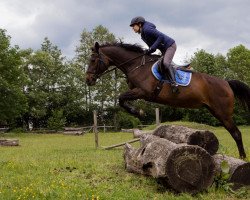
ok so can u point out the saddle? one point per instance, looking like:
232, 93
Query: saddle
183, 73
185, 67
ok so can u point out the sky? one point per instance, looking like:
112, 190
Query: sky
212, 25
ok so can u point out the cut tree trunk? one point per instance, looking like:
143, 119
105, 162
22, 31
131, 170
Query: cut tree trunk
239, 170
185, 168
181, 134
9, 142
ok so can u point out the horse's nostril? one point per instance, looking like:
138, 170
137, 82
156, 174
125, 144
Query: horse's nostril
90, 82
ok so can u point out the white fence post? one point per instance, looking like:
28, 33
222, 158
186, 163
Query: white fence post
157, 116
95, 129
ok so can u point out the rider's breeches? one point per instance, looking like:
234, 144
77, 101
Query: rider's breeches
169, 54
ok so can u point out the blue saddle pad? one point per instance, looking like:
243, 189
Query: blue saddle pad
181, 77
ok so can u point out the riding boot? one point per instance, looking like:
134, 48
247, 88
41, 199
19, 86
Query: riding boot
171, 73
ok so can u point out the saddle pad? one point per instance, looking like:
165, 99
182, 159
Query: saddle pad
181, 77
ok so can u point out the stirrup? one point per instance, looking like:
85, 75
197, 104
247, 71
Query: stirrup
174, 84
175, 88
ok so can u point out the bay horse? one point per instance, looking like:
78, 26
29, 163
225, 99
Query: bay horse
216, 94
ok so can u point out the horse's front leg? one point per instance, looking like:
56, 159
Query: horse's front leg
131, 95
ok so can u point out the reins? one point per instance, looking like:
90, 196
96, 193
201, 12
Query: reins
132, 59
143, 62
110, 70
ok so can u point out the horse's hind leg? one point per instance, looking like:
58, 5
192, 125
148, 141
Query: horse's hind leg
224, 115
236, 134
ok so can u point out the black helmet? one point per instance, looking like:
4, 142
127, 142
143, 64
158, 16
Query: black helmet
137, 20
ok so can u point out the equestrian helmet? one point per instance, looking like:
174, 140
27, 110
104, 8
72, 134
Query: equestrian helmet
137, 20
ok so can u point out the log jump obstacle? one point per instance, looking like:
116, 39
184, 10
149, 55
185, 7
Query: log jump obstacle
183, 159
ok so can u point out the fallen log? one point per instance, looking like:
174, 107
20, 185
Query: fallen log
185, 168
73, 128
181, 134
3, 130
73, 131
9, 142
239, 170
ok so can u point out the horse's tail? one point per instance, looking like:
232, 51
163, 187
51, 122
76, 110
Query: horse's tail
242, 92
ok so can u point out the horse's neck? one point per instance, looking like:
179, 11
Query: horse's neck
119, 56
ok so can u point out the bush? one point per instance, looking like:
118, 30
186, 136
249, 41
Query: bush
57, 121
241, 117
202, 116
125, 120
18, 130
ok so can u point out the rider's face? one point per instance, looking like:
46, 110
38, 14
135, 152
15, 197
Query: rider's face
136, 28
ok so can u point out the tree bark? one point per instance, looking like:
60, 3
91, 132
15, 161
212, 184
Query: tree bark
239, 170
181, 134
186, 168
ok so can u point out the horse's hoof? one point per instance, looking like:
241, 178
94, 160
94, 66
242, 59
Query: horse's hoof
243, 156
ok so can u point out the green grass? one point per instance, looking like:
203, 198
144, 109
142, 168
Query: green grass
54, 166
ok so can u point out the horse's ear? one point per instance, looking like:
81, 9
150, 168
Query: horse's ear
97, 46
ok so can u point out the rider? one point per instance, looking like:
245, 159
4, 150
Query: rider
157, 40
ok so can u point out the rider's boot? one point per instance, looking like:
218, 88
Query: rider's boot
171, 73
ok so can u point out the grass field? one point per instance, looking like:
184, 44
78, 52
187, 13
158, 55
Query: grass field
54, 166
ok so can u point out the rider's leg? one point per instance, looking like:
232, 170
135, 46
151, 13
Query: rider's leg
171, 71
168, 56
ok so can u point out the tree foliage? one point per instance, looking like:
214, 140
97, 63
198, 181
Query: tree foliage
12, 99
239, 63
51, 84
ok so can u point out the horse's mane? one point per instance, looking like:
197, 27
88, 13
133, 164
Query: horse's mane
130, 47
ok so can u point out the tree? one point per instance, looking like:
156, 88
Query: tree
57, 120
51, 84
239, 63
221, 67
12, 99
203, 62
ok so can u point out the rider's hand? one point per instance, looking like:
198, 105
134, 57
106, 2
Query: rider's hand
148, 51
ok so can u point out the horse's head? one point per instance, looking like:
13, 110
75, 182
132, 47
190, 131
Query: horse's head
98, 64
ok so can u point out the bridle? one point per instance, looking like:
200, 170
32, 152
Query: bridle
95, 73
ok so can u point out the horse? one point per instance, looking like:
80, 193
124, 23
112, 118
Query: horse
216, 94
